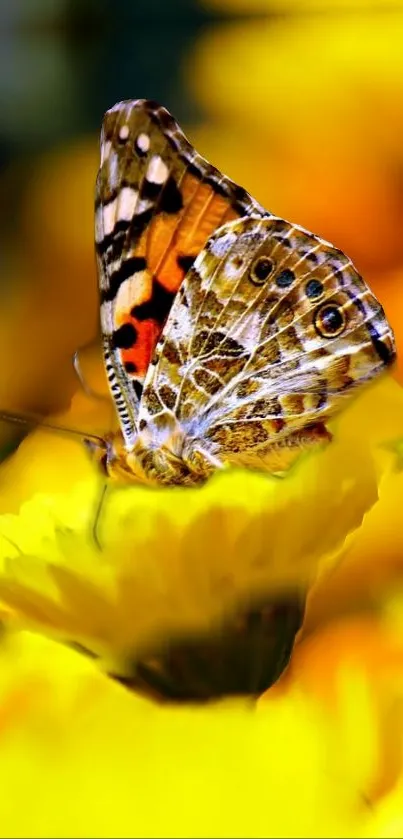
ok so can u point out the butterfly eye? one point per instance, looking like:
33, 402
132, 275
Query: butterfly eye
313, 289
261, 270
329, 321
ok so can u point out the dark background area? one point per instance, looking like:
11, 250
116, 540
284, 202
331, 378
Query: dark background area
64, 62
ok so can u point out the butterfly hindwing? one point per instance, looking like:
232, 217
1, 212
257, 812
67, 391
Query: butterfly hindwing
270, 329
157, 202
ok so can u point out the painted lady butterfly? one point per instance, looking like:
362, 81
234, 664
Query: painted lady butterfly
230, 335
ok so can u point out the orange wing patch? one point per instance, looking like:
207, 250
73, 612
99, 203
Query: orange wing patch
169, 247
173, 242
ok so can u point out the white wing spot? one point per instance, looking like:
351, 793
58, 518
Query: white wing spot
157, 170
107, 318
234, 269
133, 291
113, 170
124, 132
109, 217
223, 244
99, 225
127, 200
312, 344
143, 142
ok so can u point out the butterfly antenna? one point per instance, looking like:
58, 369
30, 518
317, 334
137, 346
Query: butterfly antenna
25, 419
86, 387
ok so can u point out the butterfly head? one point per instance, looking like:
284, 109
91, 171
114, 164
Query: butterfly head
111, 457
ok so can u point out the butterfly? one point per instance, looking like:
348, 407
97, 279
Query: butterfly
230, 336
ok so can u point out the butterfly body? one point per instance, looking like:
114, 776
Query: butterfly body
230, 335
175, 462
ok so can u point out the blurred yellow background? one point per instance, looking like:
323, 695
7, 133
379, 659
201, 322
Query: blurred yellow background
300, 102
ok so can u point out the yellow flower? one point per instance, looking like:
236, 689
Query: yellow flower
80, 756
175, 561
88, 757
178, 564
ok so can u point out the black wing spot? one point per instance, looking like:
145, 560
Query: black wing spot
165, 119
157, 307
194, 169
185, 262
140, 222
285, 278
219, 186
113, 239
386, 354
128, 267
171, 198
261, 270
314, 289
138, 388
151, 105
124, 337
150, 190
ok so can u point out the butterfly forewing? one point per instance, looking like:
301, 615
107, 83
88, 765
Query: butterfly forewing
157, 202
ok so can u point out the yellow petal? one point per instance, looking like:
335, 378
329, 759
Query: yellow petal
80, 756
176, 561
